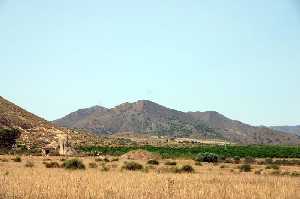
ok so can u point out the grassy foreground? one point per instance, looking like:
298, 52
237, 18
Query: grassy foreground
18, 180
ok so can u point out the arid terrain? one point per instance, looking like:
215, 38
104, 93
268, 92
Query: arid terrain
105, 178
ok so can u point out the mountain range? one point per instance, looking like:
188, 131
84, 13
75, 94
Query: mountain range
147, 117
288, 129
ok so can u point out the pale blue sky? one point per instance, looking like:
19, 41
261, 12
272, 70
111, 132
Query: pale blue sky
238, 57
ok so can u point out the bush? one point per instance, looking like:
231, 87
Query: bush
17, 159
236, 159
4, 160
258, 172
29, 164
272, 166
287, 162
198, 163
249, 160
132, 166
171, 163
153, 162
268, 161
185, 169
207, 157
295, 174
115, 159
104, 167
51, 164
223, 166
93, 165
245, 168
73, 164
275, 172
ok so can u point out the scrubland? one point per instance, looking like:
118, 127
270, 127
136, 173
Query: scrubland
223, 180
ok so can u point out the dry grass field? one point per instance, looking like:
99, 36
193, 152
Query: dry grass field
208, 181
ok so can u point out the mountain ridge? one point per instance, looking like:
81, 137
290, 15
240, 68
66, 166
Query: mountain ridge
144, 116
288, 129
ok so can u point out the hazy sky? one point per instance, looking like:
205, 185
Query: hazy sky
238, 57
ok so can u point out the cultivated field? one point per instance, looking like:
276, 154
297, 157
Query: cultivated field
30, 179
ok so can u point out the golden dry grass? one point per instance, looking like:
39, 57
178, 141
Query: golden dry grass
17, 181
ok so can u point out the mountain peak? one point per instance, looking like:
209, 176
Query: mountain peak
140, 105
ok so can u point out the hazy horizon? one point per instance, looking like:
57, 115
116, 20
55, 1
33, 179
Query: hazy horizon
240, 59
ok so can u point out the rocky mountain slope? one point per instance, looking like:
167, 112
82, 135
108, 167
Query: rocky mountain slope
287, 129
150, 118
35, 132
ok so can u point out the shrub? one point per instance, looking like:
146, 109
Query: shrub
115, 159
287, 162
4, 160
223, 166
236, 159
93, 165
268, 161
272, 166
29, 164
153, 162
17, 159
73, 164
106, 160
104, 167
198, 163
249, 160
295, 174
245, 168
185, 169
285, 173
51, 164
132, 166
171, 163
260, 162
207, 157
275, 172
147, 168
258, 172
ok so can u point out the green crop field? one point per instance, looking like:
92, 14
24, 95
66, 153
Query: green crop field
258, 151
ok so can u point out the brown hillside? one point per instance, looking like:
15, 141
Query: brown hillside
36, 132
150, 118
